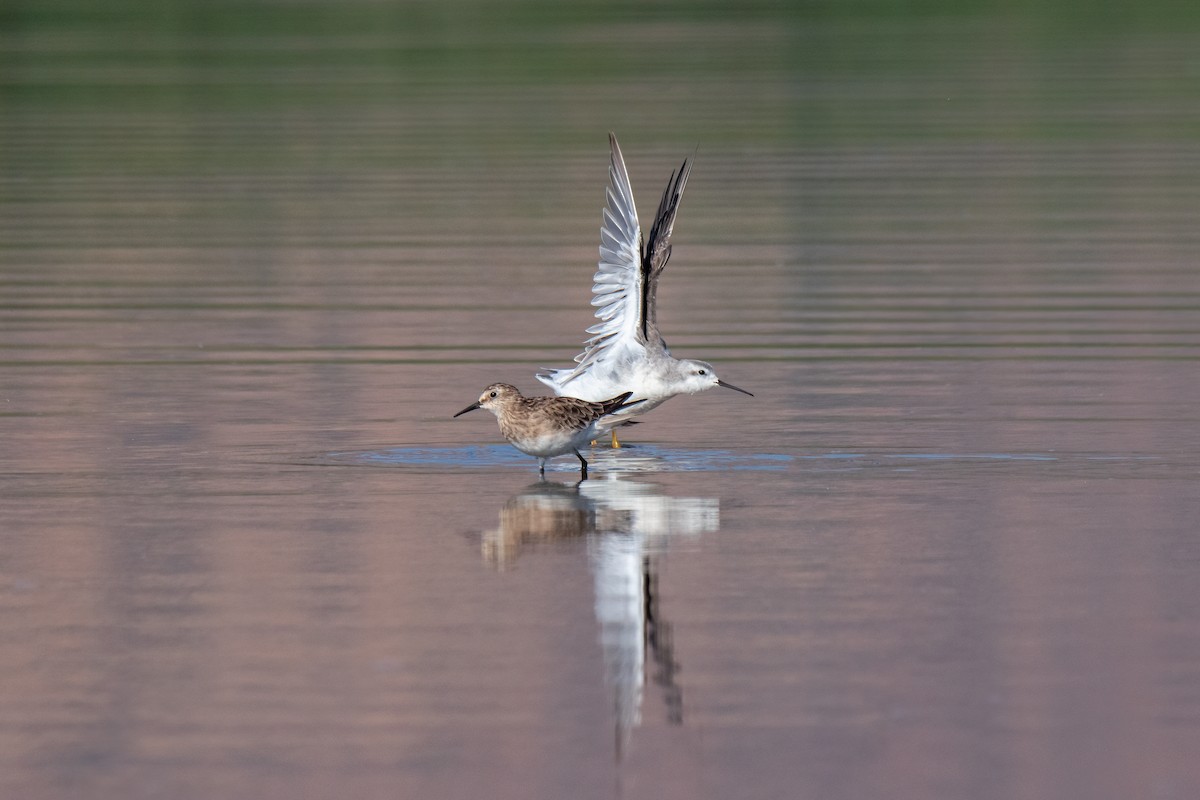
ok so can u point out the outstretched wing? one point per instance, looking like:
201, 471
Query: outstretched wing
658, 251
626, 278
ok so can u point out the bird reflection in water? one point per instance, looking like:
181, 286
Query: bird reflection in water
627, 526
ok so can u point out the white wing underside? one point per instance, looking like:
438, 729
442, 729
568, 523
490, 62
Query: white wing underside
617, 295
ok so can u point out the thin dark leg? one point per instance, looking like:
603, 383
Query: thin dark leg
542, 467
583, 465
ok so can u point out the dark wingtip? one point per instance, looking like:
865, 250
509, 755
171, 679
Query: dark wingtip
615, 404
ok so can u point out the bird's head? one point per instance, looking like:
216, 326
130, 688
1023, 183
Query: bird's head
696, 376
494, 398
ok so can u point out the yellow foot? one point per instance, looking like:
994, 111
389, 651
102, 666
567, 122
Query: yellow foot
616, 445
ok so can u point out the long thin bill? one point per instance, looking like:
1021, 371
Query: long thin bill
731, 386
475, 405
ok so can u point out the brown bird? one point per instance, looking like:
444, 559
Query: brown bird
546, 426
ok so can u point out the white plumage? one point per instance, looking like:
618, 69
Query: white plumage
626, 352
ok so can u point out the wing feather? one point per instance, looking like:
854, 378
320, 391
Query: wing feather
626, 279
658, 249
618, 284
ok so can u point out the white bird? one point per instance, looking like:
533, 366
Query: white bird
626, 351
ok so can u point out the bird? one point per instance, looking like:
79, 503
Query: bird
626, 349
546, 426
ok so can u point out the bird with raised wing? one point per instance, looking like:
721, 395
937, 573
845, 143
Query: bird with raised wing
626, 350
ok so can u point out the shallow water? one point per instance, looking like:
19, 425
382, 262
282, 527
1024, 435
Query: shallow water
948, 550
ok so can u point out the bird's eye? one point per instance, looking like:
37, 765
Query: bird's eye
493, 394
702, 372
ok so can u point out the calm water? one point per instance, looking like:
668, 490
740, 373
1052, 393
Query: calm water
252, 260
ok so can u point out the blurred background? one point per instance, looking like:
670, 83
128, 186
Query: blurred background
253, 255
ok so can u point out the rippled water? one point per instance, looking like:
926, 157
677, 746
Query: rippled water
251, 261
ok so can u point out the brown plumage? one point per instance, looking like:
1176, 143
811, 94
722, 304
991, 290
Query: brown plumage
546, 426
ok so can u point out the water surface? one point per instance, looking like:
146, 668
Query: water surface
251, 262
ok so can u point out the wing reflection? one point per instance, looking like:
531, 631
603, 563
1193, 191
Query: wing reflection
627, 526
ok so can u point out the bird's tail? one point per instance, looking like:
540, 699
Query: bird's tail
615, 404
